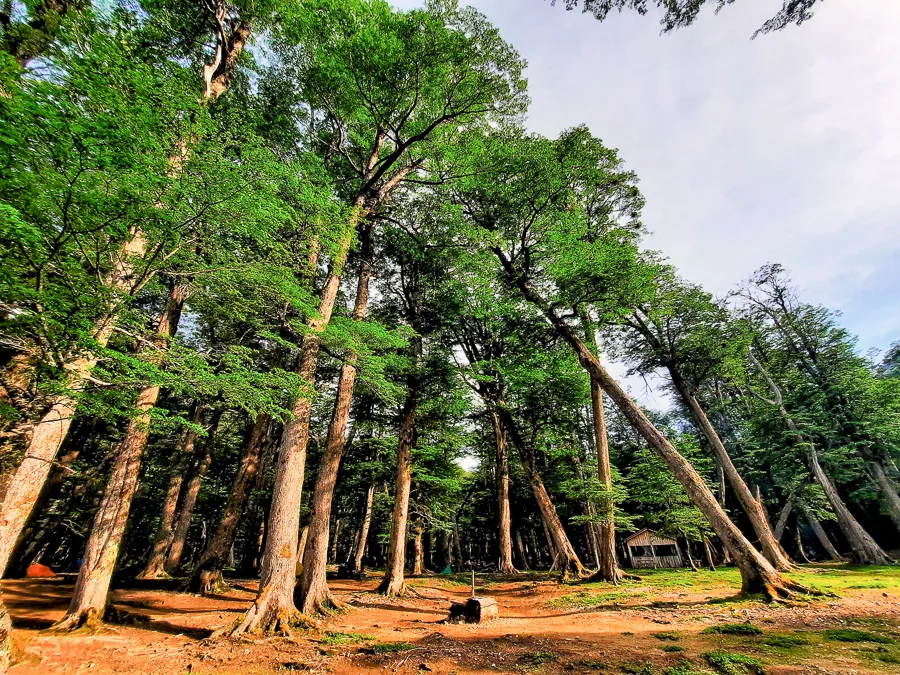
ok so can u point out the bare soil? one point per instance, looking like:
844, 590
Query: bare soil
544, 626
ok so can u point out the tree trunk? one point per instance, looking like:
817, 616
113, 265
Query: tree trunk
751, 506
273, 609
207, 575
312, 595
505, 525
189, 500
364, 531
863, 549
5, 638
565, 556
393, 583
822, 536
609, 565
520, 547
707, 548
783, 516
418, 568
90, 597
720, 480
155, 568
48, 434
890, 499
335, 539
757, 574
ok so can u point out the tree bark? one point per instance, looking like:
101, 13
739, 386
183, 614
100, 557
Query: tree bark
565, 556
274, 609
888, 490
863, 549
189, 499
393, 583
822, 536
757, 574
89, 601
5, 638
156, 563
312, 594
781, 523
364, 531
505, 565
207, 575
609, 565
520, 546
707, 548
751, 506
48, 434
418, 568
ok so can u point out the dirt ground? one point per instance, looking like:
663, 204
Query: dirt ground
655, 625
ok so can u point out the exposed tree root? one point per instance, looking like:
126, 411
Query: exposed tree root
93, 619
787, 590
210, 582
508, 568
392, 590
154, 575
620, 575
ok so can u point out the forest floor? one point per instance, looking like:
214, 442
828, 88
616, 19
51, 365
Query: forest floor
672, 622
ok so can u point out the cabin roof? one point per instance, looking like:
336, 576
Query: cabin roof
647, 536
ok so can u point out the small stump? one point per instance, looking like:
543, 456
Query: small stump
474, 610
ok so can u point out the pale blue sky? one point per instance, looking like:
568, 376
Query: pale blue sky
782, 149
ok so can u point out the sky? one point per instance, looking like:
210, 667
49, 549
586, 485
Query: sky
783, 149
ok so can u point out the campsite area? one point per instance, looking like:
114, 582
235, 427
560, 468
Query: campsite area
676, 622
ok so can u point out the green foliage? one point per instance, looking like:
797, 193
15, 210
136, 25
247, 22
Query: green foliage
746, 628
391, 647
731, 663
855, 635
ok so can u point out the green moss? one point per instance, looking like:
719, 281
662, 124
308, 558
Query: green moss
686, 668
391, 647
746, 628
590, 664
335, 638
673, 648
667, 636
785, 640
539, 658
645, 668
731, 663
853, 635
586, 599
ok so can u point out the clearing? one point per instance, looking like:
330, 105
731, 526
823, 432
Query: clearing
675, 622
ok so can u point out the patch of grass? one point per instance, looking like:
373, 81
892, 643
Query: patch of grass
785, 640
746, 628
667, 636
686, 668
646, 668
335, 638
540, 657
586, 599
854, 635
589, 664
731, 663
391, 647
673, 648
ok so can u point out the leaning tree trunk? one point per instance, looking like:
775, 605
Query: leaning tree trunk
781, 523
888, 491
393, 583
565, 556
189, 500
50, 431
89, 601
520, 547
364, 531
751, 506
505, 564
757, 574
822, 536
207, 574
5, 638
156, 564
274, 609
863, 549
312, 595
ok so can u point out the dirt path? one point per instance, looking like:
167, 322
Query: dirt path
542, 626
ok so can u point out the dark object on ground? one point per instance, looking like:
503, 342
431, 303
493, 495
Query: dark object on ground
347, 572
474, 610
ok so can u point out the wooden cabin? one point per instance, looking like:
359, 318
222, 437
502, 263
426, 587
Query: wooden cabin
648, 549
